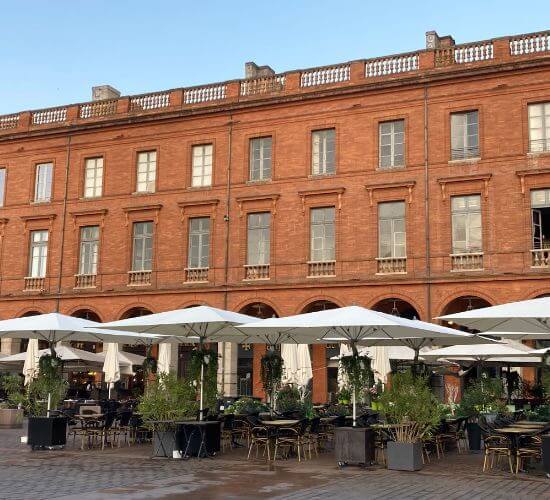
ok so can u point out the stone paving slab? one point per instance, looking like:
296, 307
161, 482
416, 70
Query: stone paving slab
130, 473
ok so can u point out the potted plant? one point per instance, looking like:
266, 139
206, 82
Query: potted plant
289, 400
44, 393
483, 398
204, 367
11, 410
271, 373
410, 404
167, 400
246, 406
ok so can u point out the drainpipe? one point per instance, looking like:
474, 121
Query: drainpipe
427, 208
226, 219
63, 224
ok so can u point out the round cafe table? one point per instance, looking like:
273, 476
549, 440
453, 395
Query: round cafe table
513, 433
279, 423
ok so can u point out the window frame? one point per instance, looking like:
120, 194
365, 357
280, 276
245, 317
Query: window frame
312, 238
200, 245
322, 172
466, 154
392, 143
42, 255
148, 180
263, 243
87, 243
202, 166
392, 220
37, 169
95, 186
3, 184
468, 213
545, 128
142, 238
262, 177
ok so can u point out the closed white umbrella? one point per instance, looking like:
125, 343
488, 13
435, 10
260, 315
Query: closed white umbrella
289, 353
126, 361
304, 371
111, 366
32, 358
380, 363
163, 363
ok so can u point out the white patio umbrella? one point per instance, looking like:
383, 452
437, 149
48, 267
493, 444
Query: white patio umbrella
524, 316
289, 353
163, 363
353, 325
380, 363
200, 324
111, 366
496, 352
32, 358
55, 327
126, 361
66, 353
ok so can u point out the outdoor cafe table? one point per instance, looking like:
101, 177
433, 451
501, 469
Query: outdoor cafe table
279, 423
513, 433
199, 437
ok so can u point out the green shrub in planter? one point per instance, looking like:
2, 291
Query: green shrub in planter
11, 411
484, 395
246, 406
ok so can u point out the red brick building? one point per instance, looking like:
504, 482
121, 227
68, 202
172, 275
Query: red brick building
417, 182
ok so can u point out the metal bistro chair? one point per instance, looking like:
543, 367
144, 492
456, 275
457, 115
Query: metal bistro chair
312, 436
530, 448
292, 437
228, 425
260, 437
496, 446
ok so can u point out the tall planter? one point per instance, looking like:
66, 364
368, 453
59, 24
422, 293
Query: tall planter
474, 436
11, 418
165, 443
354, 445
47, 432
404, 456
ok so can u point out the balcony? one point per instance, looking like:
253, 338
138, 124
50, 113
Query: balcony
33, 284
392, 265
139, 278
540, 258
256, 272
85, 280
157, 100
196, 274
321, 269
467, 261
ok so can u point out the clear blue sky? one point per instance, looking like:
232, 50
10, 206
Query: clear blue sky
53, 51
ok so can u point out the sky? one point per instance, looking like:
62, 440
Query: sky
53, 51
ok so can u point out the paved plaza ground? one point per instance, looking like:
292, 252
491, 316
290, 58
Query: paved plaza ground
130, 473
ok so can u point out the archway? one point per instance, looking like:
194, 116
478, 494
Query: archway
90, 316
136, 312
324, 387
397, 307
464, 303
23, 343
248, 379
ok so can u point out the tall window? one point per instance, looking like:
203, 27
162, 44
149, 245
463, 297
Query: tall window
540, 210
38, 255
2, 186
93, 177
392, 141
464, 135
43, 182
202, 165
539, 127
392, 233
146, 171
89, 249
199, 243
323, 152
142, 249
258, 239
260, 159
466, 224
322, 234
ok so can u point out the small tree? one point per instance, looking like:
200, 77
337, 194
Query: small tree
484, 395
271, 374
207, 359
410, 402
49, 384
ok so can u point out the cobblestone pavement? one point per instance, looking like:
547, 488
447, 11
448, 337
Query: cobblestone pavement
130, 473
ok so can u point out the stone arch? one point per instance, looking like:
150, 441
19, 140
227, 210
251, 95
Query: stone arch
538, 294
192, 303
443, 304
91, 315
86, 312
269, 309
396, 306
134, 310
29, 311
306, 305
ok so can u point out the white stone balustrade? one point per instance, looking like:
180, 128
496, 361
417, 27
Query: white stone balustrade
391, 65
147, 102
321, 268
256, 272
204, 94
530, 44
196, 274
139, 278
9, 121
467, 261
97, 109
47, 116
324, 76
392, 265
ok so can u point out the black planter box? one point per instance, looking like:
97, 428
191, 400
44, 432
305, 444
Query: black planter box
164, 443
474, 436
354, 445
45, 432
546, 453
404, 456
190, 435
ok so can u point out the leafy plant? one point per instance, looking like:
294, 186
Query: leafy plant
358, 372
484, 395
539, 414
289, 399
12, 386
207, 358
344, 396
167, 399
409, 401
271, 373
246, 406
149, 364
338, 410
48, 384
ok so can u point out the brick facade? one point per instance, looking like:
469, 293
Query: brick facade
499, 88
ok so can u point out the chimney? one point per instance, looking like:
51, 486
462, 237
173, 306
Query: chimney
252, 70
434, 41
102, 92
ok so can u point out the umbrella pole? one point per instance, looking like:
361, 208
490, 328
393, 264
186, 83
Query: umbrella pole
49, 404
202, 389
354, 407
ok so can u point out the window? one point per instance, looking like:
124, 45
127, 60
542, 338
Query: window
540, 210
392, 233
322, 152
93, 177
202, 165
43, 182
392, 141
258, 239
2, 186
464, 135
38, 255
466, 224
260, 159
142, 257
146, 171
322, 234
539, 127
199, 243
89, 249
